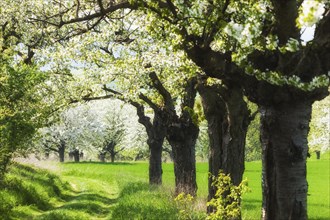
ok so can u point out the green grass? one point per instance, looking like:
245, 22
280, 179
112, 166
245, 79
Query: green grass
28, 191
92, 190
319, 193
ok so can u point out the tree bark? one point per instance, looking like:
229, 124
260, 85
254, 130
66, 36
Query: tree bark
112, 156
156, 132
61, 152
155, 162
228, 118
318, 154
156, 136
215, 113
76, 155
235, 134
102, 156
284, 129
182, 137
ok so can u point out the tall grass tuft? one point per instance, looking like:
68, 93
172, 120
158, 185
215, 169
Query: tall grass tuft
139, 201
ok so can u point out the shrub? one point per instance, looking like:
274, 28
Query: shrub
226, 204
186, 204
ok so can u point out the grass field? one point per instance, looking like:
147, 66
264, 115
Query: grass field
92, 190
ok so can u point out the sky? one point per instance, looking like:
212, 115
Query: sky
308, 33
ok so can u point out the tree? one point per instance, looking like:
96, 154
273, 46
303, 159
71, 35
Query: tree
181, 132
112, 49
266, 76
72, 131
155, 130
19, 106
16, 126
106, 126
182, 135
53, 140
25, 92
228, 119
21, 82
113, 133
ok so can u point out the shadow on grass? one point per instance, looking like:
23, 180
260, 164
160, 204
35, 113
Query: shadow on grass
135, 187
98, 162
90, 197
44, 177
81, 206
31, 186
251, 204
90, 207
319, 218
38, 194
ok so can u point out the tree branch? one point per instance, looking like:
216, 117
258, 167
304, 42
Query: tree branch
118, 151
143, 119
87, 99
80, 31
253, 115
172, 8
101, 13
149, 102
286, 14
157, 84
100, 3
322, 31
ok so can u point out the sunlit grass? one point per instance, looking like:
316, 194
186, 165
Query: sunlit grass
92, 190
318, 208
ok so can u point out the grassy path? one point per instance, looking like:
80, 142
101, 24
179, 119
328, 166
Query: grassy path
91, 197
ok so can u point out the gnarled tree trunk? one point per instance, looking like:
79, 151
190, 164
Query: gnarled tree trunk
155, 161
228, 119
182, 137
112, 156
182, 134
61, 152
235, 134
76, 155
284, 130
215, 113
155, 141
156, 132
